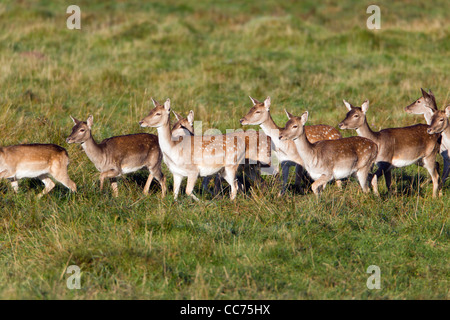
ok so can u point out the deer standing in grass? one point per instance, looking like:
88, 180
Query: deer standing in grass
41, 161
194, 156
439, 123
331, 159
426, 105
286, 151
397, 147
257, 148
120, 155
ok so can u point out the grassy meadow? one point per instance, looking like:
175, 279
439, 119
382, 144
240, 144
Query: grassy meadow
208, 56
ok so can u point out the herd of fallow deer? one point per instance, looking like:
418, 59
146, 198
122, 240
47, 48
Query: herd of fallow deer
318, 152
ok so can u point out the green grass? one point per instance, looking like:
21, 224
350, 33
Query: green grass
209, 57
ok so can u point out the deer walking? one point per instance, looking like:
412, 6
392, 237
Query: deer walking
397, 147
426, 105
326, 160
286, 151
439, 123
257, 149
195, 156
41, 161
120, 155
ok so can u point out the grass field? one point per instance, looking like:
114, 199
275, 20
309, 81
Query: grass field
209, 56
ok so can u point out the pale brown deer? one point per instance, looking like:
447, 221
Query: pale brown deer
120, 154
193, 156
426, 105
43, 161
397, 147
257, 150
326, 160
286, 151
439, 123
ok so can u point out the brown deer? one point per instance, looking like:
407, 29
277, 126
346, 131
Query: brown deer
257, 149
426, 105
326, 160
286, 151
440, 124
397, 147
193, 156
36, 161
120, 155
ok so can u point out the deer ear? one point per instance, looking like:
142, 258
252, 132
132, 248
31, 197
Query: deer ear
190, 117
365, 106
155, 103
267, 103
167, 105
90, 121
75, 121
348, 105
430, 93
304, 117
424, 94
289, 115
447, 111
254, 101
177, 116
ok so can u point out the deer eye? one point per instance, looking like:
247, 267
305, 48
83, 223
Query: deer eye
158, 114
257, 111
356, 116
295, 127
441, 120
82, 130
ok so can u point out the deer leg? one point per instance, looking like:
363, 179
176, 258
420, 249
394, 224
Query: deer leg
147, 184
446, 170
362, 175
191, 179
384, 168
114, 187
285, 166
205, 184
49, 185
15, 185
430, 165
108, 174
177, 179
230, 177
157, 173
319, 184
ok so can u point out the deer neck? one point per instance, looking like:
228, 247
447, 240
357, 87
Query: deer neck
93, 151
271, 129
165, 137
365, 132
305, 149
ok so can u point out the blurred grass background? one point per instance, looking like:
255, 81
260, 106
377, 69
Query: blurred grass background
208, 56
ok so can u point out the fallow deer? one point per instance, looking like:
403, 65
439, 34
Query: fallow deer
36, 161
326, 160
286, 151
120, 154
195, 156
439, 123
397, 147
426, 105
257, 149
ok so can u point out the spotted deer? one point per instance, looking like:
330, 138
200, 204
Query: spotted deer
326, 160
286, 151
439, 123
257, 149
43, 161
193, 156
426, 105
397, 147
119, 155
